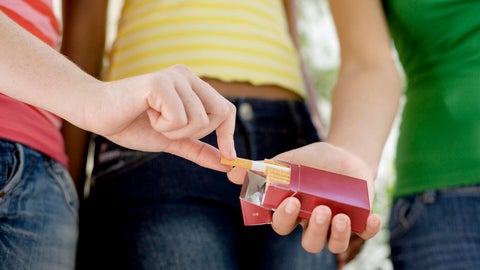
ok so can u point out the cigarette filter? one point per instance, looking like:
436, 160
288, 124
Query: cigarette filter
274, 171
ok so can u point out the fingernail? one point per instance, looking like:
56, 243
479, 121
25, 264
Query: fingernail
321, 218
341, 226
375, 222
291, 207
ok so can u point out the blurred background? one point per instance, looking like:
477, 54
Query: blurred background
320, 50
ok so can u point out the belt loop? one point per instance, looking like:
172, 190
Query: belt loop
429, 196
245, 111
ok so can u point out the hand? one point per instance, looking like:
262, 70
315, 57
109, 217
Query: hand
321, 228
165, 111
316, 229
168, 110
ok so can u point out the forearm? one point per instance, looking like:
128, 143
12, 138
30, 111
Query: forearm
147, 112
34, 73
364, 105
368, 90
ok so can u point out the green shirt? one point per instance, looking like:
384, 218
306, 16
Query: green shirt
438, 42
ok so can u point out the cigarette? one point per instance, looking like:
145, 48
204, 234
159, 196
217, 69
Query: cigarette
274, 171
259, 166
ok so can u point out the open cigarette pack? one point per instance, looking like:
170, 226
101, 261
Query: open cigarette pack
268, 183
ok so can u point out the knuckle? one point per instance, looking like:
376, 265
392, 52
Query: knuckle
317, 248
181, 68
159, 79
203, 118
181, 122
202, 121
231, 108
337, 247
226, 109
278, 226
279, 229
337, 243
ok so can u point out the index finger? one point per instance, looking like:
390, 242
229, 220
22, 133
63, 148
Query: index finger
225, 132
219, 109
198, 152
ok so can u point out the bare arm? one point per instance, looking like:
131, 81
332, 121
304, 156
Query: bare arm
368, 90
29, 64
364, 103
168, 110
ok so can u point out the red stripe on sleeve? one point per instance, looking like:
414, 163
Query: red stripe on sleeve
44, 9
26, 24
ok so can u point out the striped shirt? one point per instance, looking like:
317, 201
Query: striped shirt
20, 122
229, 40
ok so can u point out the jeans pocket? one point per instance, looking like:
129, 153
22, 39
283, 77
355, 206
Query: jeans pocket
62, 177
404, 213
10, 166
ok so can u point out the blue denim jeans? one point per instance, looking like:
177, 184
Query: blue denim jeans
158, 211
38, 211
438, 229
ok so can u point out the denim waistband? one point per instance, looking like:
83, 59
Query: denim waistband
430, 196
8, 147
257, 110
276, 106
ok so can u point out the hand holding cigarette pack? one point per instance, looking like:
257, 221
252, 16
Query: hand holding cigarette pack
269, 182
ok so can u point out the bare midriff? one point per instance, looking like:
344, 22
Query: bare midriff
245, 89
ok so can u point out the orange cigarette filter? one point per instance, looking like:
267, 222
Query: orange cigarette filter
274, 171
238, 162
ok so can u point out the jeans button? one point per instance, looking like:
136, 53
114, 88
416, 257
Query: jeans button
245, 111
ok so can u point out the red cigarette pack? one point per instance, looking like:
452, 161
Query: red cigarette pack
313, 187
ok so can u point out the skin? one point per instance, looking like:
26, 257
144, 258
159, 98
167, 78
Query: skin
169, 109
364, 103
84, 33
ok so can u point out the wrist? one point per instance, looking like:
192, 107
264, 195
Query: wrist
88, 98
362, 156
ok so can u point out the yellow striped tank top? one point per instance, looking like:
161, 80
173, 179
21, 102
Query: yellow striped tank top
229, 40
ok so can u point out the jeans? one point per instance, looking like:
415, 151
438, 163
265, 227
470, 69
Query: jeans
38, 211
438, 229
158, 211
